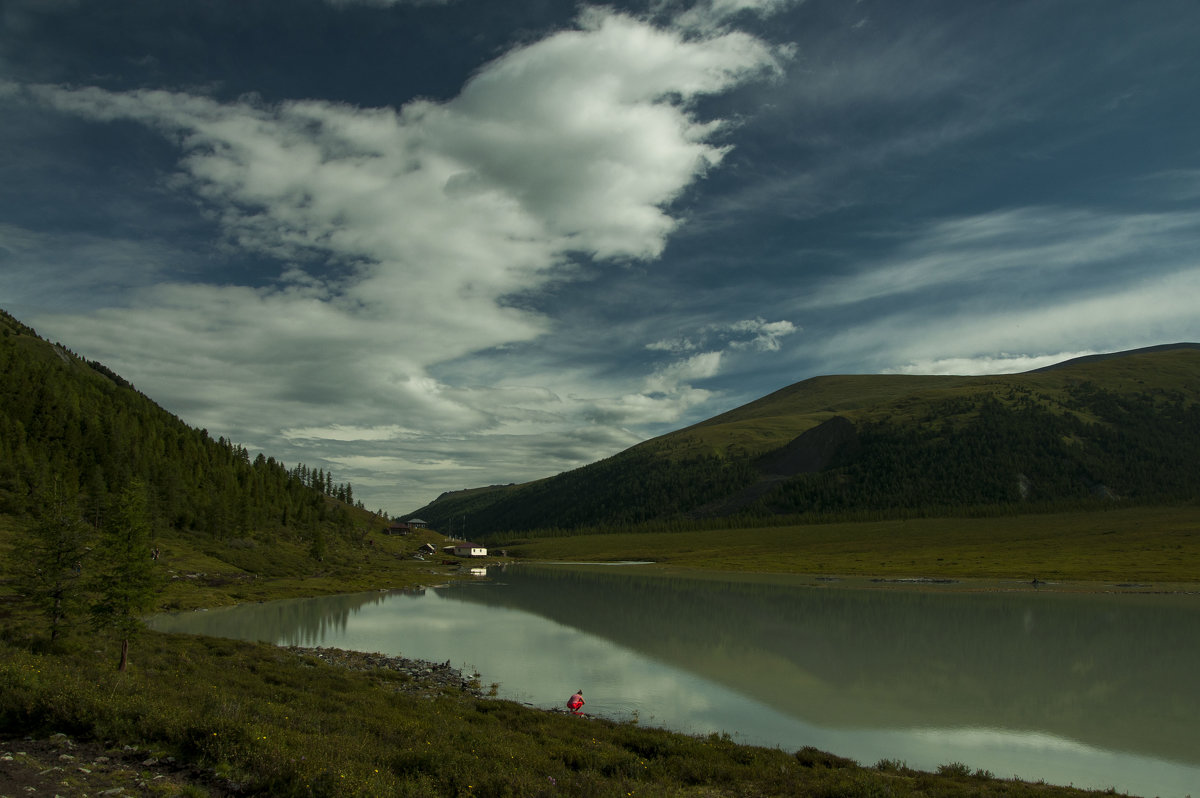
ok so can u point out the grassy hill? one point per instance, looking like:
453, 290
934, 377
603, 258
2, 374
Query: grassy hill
1116, 428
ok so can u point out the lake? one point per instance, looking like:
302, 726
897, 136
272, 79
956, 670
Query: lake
1095, 690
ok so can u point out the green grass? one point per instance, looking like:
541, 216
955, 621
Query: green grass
1147, 544
206, 573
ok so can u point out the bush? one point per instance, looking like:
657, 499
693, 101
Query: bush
954, 769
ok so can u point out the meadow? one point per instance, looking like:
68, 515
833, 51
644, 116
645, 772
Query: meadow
1159, 545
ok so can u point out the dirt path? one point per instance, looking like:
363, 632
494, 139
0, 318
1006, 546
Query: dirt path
60, 766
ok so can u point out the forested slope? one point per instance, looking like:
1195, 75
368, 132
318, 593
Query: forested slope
73, 428
1118, 428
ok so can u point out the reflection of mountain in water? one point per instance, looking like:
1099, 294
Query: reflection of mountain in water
1118, 672
306, 621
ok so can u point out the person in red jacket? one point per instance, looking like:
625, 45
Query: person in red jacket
575, 702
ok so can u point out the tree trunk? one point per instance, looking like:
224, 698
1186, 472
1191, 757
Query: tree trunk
124, 653
56, 614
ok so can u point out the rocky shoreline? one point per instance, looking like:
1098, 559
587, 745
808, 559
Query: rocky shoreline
418, 676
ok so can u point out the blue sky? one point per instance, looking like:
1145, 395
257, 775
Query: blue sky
437, 245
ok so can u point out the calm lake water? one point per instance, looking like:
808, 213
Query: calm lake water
1098, 691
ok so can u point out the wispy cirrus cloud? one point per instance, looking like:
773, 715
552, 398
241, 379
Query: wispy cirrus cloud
1022, 249
1022, 289
707, 16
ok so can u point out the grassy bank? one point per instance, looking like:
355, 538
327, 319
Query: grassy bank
262, 720
210, 573
258, 720
1150, 544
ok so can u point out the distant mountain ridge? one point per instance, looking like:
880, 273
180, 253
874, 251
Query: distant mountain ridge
1101, 428
1123, 427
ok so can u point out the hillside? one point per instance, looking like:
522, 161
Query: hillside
73, 431
1123, 428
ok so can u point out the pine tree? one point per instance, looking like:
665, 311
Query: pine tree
125, 573
51, 568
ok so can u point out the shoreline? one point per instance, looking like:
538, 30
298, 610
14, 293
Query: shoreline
895, 582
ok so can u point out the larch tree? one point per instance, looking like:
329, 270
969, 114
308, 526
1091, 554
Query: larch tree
126, 576
51, 566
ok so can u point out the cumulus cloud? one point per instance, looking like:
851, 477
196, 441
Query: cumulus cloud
577, 142
434, 215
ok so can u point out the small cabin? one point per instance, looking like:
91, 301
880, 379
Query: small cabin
469, 550
399, 528
417, 523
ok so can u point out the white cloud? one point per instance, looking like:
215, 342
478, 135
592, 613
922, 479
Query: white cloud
764, 335
1008, 291
672, 345
579, 132
757, 334
669, 378
651, 406
669, 392
43, 271
973, 335
1023, 246
339, 432
435, 214
710, 15
1002, 363
1178, 184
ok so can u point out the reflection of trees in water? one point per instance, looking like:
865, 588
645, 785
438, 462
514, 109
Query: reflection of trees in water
291, 622
1113, 671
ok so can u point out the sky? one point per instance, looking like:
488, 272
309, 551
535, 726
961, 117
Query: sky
429, 245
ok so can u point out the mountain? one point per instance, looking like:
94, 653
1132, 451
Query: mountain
71, 428
1123, 427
